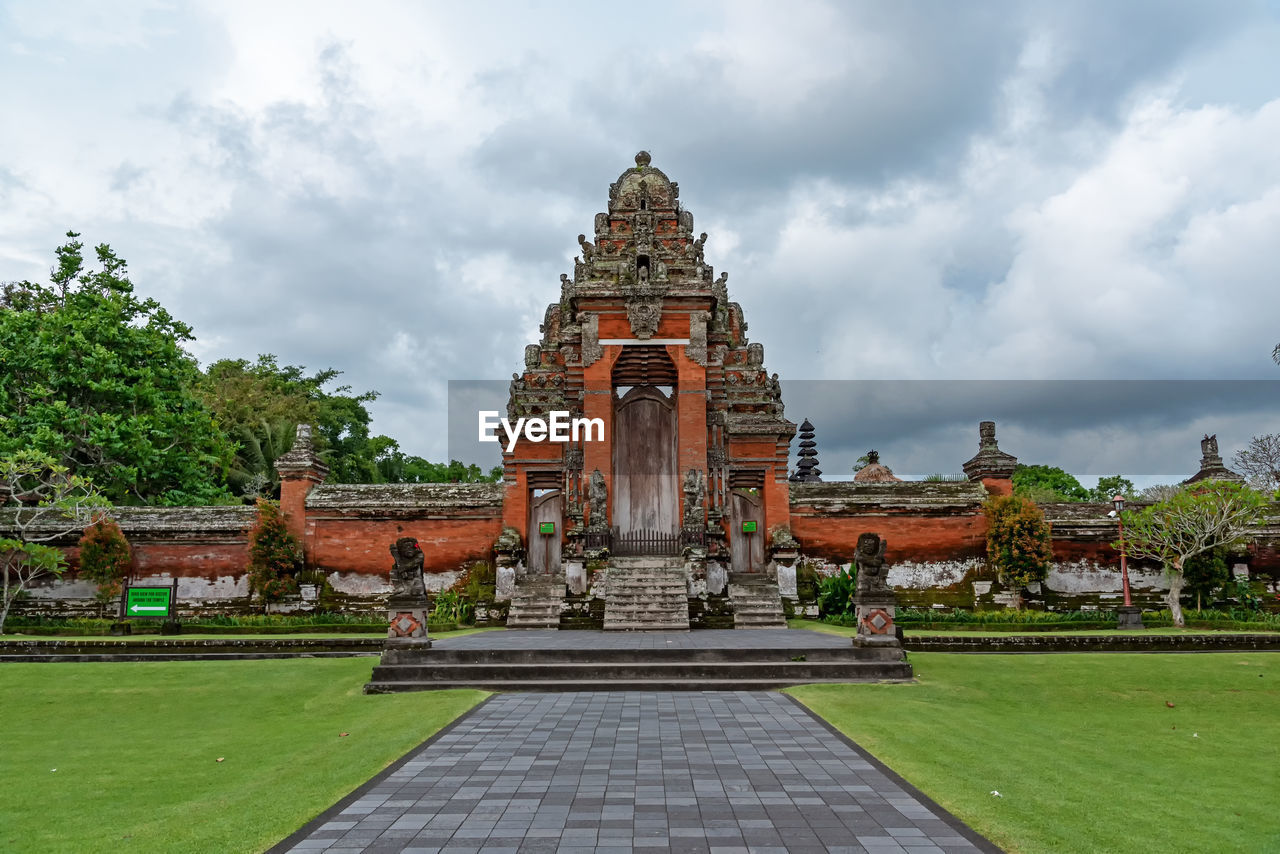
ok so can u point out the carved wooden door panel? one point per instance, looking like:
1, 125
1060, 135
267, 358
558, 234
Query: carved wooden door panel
645, 488
544, 549
746, 550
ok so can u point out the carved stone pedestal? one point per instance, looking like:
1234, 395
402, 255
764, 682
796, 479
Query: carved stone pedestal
875, 614
1130, 618
407, 622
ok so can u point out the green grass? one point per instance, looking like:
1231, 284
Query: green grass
1085, 753
135, 748
849, 631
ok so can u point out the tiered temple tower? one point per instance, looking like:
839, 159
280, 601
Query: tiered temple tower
645, 338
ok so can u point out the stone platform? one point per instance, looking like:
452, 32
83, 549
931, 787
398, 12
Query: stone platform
560, 660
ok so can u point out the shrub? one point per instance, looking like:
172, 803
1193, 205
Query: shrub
105, 558
451, 608
835, 593
1204, 574
1019, 540
274, 555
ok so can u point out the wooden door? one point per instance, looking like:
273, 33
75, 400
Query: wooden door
545, 507
645, 488
746, 550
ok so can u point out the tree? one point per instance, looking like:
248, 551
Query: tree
1045, 484
48, 502
1109, 487
1259, 461
398, 467
1205, 573
1160, 492
97, 378
105, 557
1191, 522
275, 556
1019, 541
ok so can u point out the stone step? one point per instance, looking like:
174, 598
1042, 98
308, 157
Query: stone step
441, 654
898, 675
646, 593
671, 671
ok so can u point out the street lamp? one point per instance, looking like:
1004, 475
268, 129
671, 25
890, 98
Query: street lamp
1118, 502
1130, 617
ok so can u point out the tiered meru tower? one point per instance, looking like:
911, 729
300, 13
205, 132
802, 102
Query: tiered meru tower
691, 471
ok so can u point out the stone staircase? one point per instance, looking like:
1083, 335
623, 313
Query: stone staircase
756, 602
537, 602
646, 593
597, 667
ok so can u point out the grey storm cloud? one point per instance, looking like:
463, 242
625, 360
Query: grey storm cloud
899, 192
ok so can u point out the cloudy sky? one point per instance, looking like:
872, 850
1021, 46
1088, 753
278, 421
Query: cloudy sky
900, 191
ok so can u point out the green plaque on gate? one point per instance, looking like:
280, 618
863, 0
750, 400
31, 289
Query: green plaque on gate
748, 527
546, 527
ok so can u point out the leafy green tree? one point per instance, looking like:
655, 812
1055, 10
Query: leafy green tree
1110, 487
105, 557
1047, 484
1019, 541
43, 502
1213, 514
275, 556
98, 379
398, 467
1205, 573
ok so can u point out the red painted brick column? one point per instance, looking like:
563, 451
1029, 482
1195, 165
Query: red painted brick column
300, 470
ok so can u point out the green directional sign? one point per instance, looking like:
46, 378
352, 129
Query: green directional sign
546, 527
748, 527
148, 602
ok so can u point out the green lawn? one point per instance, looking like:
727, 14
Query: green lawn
1084, 751
123, 757
850, 631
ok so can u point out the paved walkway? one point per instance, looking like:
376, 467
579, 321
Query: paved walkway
621, 771
520, 639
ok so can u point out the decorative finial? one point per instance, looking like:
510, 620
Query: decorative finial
807, 470
642, 159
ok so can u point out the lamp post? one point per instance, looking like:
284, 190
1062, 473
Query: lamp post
1118, 502
1129, 616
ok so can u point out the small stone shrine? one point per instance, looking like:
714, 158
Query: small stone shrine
873, 598
407, 606
1211, 465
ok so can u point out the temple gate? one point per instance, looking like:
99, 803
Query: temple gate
645, 338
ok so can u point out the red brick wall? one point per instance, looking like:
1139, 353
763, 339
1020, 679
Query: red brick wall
911, 537
363, 545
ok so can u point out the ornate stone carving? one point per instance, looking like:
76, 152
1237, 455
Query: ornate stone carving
1211, 465
406, 573
871, 569
588, 248
697, 346
990, 461
573, 458
591, 347
532, 357
644, 310
598, 502
301, 460
695, 495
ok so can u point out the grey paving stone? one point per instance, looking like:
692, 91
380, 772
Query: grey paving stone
622, 771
